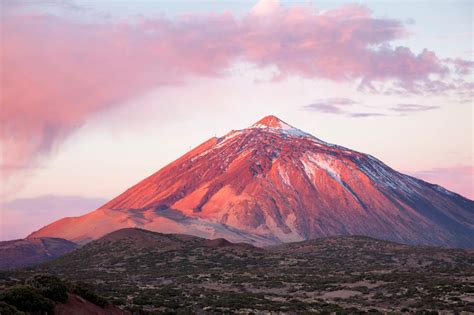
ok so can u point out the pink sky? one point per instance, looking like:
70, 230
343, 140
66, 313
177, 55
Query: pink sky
72, 76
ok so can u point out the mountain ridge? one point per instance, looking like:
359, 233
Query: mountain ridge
32, 251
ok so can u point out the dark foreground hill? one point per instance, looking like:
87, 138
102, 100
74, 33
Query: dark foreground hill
32, 251
47, 294
142, 270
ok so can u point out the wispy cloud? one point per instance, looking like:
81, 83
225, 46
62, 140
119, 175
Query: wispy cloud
362, 115
462, 66
344, 107
330, 105
340, 106
412, 108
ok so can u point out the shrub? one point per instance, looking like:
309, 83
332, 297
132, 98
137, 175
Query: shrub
86, 292
7, 309
26, 298
49, 286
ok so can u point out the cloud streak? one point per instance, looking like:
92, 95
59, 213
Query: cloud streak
59, 71
412, 108
343, 106
363, 115
329, 105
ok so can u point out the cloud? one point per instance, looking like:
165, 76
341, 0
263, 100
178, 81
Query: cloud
339, 106
363, 115
267, 7
20, 217
342, 106
329, 105
463, 67
459, 179
412, 108
61, 69
323, 108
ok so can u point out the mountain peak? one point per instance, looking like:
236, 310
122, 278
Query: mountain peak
271, 121
274, 123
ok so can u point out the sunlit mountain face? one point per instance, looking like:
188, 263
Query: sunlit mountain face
273, 183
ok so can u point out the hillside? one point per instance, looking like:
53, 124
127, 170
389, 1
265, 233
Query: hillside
32, 251
155, 272
48, 294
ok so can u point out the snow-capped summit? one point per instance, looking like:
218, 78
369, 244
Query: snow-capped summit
276, 124
271, 121
273, 183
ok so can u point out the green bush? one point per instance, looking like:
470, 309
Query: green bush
26, 298
86, 292
7, 309
49, 286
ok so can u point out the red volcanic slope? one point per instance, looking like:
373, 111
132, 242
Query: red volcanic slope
273, 183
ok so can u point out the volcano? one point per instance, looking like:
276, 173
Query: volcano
272, 183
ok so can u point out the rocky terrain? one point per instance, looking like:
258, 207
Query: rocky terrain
32, 251
272, 183
141, 270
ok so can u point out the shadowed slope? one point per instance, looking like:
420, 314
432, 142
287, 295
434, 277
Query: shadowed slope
33, 251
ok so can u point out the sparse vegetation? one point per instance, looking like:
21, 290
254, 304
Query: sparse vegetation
50, 287
40, 293
342, 274
87, 292
27, 299
7, 309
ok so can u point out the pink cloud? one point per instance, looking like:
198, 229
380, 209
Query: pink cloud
459, 179
463, 67
59, 71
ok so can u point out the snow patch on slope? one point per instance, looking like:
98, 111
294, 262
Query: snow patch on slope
272, 123
328, 165
308, 169
227, 138
381, 175
284, 175
287, 130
